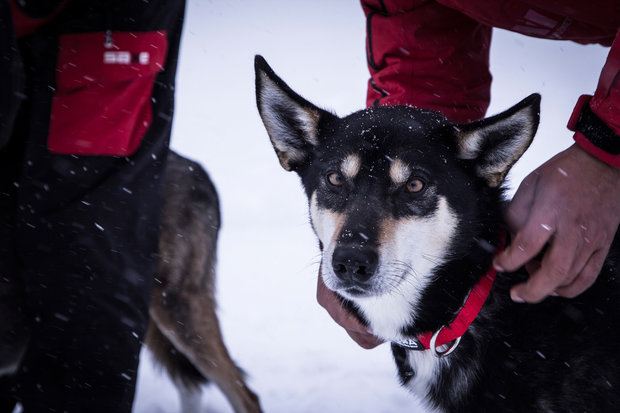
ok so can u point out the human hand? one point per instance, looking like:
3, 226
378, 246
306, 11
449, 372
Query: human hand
571, 202
331, 302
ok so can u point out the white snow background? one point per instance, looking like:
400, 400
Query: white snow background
296, 358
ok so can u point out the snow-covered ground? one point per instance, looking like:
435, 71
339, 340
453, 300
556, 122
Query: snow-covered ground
297, 359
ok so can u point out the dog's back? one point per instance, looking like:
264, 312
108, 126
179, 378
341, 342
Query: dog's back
560, 355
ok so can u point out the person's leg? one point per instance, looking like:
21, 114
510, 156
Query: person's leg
88, 231
88, 272
14, 319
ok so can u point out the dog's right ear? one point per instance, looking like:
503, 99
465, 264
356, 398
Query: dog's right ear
291, 121
496, 143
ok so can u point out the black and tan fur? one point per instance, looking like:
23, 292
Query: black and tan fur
407, 207
184, 333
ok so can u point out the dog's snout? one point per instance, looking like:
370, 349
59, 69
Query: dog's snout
356, 264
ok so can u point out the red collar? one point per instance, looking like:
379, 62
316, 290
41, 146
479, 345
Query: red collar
452, 332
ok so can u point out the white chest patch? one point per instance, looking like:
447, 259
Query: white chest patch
426, 368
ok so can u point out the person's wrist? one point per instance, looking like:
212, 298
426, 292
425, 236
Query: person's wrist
604, 171
593, 135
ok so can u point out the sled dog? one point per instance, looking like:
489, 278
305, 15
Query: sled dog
407, 208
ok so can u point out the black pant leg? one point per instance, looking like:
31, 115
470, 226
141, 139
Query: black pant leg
14, 315
88, 278
87, 234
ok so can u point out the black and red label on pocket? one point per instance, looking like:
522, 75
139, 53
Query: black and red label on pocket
104, 82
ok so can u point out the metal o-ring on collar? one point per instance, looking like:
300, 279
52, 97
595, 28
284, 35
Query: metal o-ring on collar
440, 354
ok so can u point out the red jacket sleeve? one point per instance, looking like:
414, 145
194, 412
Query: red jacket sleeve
423, 54
605, 104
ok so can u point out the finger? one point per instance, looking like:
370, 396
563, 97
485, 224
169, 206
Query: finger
585, 278
366, 341
329, 301
356, 330
519, 208
528, 242
557, 269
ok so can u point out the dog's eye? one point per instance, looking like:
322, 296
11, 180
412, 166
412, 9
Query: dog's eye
335, 179
415, 185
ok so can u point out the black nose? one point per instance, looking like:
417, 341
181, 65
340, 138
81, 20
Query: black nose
354, 263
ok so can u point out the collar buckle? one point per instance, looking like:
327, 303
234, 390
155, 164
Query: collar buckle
435, 350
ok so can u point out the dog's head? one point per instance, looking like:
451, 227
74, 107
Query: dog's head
396, 194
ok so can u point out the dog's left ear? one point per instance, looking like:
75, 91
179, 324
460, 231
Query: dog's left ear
496, 143
291, 121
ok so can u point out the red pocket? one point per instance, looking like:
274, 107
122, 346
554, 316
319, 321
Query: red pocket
104, 82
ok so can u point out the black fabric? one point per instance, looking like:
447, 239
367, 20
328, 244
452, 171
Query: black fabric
597, 132
86, 227
38, 9
11, 81
7, 403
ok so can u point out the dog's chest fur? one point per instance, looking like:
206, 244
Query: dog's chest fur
421, 370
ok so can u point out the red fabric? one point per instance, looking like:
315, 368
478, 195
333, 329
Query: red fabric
466, 315
582, 141
430, 56
434, 54
606, 100
102, 104
468, 312
574, 117
586, 145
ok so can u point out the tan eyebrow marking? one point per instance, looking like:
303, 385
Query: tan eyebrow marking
351, 166
399, 171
